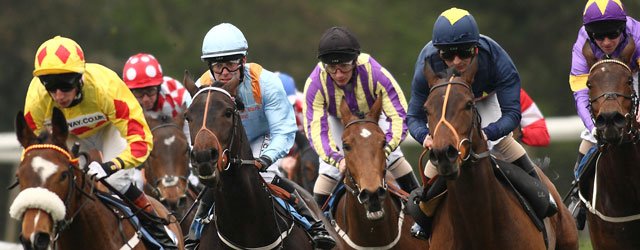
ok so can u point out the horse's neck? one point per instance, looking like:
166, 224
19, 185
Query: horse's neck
94, 223
618, 171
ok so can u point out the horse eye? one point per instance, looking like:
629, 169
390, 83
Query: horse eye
64, 176
588, 84
186, 117
228, 113
346, 147
469, 104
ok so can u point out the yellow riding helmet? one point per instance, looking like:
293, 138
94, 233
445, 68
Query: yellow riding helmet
59, 55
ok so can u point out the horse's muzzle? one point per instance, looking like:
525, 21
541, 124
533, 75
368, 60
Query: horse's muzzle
204, 164
372, 202
610, 126
41, 241
446, 161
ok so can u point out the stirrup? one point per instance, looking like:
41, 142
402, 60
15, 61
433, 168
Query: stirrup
417, 232
322, 240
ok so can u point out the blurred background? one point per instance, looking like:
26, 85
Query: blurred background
283, 36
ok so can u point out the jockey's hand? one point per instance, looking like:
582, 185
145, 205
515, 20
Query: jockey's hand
342, 166
101, 170
263, 162
428, 142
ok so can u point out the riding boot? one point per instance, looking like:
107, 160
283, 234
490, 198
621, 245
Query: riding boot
192, 239
321, 199
423, 231
576, 207
408, 182
525, 163
319, 235
157, 230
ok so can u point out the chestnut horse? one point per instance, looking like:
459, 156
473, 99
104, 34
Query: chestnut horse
166, 170
611, 192
479, 212
246, 214
57, 203
365, 217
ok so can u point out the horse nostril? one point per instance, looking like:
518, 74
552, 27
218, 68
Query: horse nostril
452, 153
433, 157
381, 192
214, 154
363, 197
41, 240
619, 120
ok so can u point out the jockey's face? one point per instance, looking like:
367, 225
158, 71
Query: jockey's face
458, 58
225, 71
606, 43
146, 97
63, 98
340, 73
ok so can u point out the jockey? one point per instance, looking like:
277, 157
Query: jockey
533, 128
344, 72
607, 29
156, 93
268, 118
101, 113
456, 41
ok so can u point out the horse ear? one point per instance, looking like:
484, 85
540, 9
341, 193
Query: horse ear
179, 118
376, 109
628, 51
60, 129
588, 54
470, 73
345, 112
23, 131
189, 83
431, 76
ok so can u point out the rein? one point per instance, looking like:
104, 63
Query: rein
443, 120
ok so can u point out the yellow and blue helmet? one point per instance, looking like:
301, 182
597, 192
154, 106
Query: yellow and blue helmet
455, 27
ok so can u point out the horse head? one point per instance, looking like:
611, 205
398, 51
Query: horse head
167, 168
613, 102
363, 143
452, 119
46, 176
216, 129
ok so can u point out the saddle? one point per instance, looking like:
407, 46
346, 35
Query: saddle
122, 210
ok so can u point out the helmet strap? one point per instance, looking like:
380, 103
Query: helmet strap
78, 98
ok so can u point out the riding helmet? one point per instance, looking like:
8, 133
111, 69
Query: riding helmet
338, 45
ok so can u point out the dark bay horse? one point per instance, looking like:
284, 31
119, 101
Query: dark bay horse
245, 212
479, 212
166, 171
57, 203
612, 192
367, 217
305, 170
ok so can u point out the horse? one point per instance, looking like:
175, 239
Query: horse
246, 214
365, 217
304, 171
610, 190
479, 212
166, 170
58, 205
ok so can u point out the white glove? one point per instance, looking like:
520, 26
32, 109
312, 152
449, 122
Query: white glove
95, 169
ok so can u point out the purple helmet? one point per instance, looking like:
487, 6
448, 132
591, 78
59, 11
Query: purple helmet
603, 10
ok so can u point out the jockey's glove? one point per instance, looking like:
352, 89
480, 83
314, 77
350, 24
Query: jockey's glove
101, 170
263, 162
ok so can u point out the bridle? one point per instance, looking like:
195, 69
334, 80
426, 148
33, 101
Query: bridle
470, 155
357, 190
612, 96
62, 225
224, 160
156, 181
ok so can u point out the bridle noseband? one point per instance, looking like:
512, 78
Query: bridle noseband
475, 123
